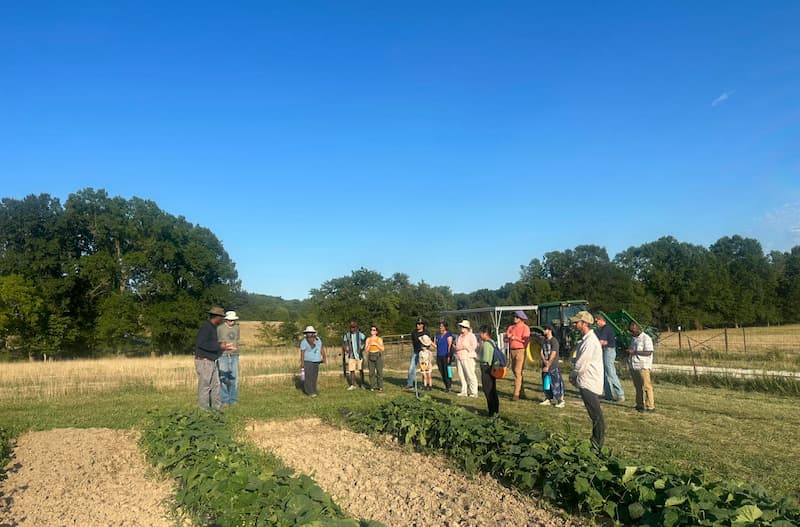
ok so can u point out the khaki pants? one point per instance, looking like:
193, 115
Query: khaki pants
644, 389
517, 364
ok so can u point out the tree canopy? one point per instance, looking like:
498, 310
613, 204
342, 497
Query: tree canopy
105, 274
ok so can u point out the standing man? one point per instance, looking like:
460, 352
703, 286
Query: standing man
640, 362
416, 346
612, 388
517, 335
353, 349
228, 333
587, 375
207, 349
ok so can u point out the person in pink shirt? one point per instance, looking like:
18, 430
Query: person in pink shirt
518, 335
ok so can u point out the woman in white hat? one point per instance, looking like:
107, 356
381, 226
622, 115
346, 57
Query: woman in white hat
312, 354
465, 358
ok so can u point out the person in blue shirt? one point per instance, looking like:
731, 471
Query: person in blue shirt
444, 354
612, 387
312, 354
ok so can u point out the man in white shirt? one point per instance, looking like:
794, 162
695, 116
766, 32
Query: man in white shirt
640, 362
587, 375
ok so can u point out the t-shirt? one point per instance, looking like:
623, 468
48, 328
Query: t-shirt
607, 333
642, 343
487, 352
548, 347
441, 344
311, 353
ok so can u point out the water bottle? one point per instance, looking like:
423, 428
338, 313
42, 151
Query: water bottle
546, 382
302, 374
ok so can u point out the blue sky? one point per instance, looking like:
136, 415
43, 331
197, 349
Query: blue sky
451, 141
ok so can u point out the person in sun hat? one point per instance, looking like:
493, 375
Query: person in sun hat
207, 349
518, 335
416, 346
312, 354
426, 362
228, 332
552, 381
466, 346
587, 374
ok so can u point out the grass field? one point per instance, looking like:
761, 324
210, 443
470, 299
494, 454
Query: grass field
737, 435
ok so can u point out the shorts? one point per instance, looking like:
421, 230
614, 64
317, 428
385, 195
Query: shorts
355, 364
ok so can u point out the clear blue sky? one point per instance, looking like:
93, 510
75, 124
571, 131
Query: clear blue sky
452, 141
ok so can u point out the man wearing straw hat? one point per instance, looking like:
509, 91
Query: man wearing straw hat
206, 352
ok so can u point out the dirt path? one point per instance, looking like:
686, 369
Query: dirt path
388, 484
81, 477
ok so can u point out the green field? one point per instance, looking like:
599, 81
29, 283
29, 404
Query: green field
736, 435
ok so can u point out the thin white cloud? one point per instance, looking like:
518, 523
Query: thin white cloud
785, 222
722, 98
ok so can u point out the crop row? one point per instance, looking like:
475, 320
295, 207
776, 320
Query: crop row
569, 473
224, 483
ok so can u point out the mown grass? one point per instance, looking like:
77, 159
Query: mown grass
733, 434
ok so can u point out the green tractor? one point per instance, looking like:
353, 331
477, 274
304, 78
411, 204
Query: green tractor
620, 321
558, 314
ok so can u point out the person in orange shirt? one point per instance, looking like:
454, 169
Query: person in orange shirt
374, 350
518, 335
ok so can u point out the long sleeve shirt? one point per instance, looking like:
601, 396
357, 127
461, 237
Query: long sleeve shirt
206, 345
589, 365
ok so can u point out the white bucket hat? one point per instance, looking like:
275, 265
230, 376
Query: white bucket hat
309, 329
425, 340
231, 315
465, 324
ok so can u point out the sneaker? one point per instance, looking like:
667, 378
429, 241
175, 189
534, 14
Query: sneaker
459, 394
351, 387
620, 399
651, 410
561, 404
475, 395
546, 402
313, 395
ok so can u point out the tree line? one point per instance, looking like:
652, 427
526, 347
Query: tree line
103, 275
100, 275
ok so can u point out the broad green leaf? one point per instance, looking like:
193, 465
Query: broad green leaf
674, 500
748, 513
636, 510
629, 473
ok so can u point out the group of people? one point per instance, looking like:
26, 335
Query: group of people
593, 374
216, 360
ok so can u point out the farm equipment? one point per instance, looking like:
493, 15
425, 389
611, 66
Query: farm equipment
558, 314
620, 321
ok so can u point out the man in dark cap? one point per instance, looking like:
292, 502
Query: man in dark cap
206, 352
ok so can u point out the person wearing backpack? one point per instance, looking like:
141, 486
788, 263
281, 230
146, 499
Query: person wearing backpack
488, 381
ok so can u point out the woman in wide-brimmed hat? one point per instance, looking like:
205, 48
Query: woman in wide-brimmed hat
465, 358
312, 354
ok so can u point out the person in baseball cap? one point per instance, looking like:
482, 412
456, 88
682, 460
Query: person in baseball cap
207, 350
587, 374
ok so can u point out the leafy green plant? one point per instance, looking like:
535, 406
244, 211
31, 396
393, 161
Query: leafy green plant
573, 475
6, 446
222, 483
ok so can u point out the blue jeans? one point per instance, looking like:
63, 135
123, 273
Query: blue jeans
229, 378
412, 369
612, 388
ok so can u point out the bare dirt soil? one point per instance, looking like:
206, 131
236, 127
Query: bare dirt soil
396, 487
82, 477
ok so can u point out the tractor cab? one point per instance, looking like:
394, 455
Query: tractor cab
558, 314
